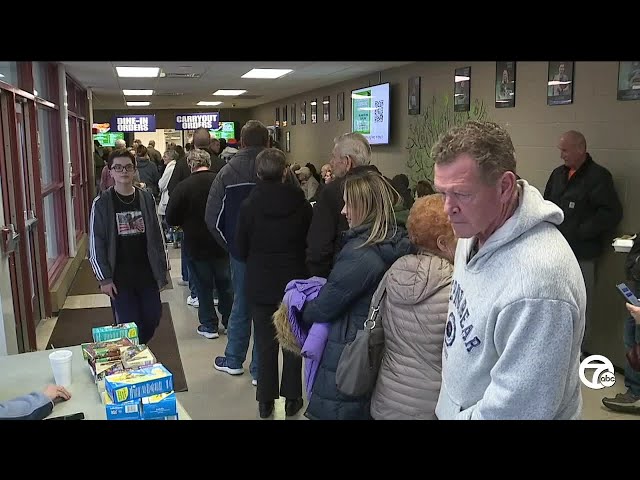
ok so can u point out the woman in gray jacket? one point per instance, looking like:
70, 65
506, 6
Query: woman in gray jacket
413, 315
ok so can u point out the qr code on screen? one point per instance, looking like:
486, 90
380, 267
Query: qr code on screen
378, 115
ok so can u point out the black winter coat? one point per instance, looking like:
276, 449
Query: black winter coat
271, 238
344, 302
590, 204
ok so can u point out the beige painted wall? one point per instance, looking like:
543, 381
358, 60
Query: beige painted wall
609, 125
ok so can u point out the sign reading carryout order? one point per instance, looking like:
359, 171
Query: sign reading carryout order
133, 123
191, 121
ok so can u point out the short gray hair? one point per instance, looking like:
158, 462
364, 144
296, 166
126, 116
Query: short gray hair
354, 145
199, 158
120, 143
271, 164
172, 154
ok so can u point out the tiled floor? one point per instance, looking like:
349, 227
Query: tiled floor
216, 395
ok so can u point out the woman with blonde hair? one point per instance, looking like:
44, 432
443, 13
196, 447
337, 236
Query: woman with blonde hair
413, 315
371, 245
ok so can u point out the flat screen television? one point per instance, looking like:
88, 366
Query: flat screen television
226, 130
370, 113
108, 139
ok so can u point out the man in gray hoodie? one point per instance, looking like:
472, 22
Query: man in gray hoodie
517, 305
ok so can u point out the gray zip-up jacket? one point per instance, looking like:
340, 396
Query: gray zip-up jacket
34, 406
102, 238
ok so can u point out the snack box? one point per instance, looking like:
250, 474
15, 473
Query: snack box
137, 356
112, 332
138, 383
159, 407
121, 411
109, 350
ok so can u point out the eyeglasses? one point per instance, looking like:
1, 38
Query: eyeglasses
118, 168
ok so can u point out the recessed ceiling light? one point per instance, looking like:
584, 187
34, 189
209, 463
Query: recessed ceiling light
267, 73
208, 104
138, 104
137, 92
230, 93
149, 72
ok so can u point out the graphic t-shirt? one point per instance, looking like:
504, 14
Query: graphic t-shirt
132, 262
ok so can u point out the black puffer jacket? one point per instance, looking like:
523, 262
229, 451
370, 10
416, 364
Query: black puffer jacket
344, 302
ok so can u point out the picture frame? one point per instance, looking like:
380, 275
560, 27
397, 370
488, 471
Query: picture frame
314, 110
413, 96
628, 81
288, 141
505, 85
560, 83
284, 116
462, 89
303, 113
340, 107
326, 101
293, 114
277, 117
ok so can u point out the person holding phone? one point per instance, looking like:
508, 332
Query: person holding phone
34, 406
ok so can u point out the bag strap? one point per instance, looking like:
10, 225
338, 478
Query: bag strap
370, 323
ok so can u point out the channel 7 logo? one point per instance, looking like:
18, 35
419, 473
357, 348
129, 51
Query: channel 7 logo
603, 373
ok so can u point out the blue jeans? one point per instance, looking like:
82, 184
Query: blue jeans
631, 336
239, 331
186, 271
205, 274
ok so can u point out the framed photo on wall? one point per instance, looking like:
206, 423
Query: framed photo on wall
325, 108
340, 107
288, 141
505, 84
414, 96
277, 116
628, 80
284, 116
462, 90
303, 113
314, 110
560, 83
293, 114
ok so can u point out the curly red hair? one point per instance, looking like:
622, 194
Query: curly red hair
427, 221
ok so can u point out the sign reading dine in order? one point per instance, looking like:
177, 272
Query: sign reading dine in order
191, 121
133, 123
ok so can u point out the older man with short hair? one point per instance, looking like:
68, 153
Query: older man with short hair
517, 303
351, 152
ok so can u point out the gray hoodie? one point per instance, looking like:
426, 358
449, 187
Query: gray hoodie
516, 321
34, 406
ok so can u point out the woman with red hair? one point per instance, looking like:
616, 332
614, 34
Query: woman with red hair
413, 315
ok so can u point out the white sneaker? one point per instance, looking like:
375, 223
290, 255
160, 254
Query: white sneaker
193, 302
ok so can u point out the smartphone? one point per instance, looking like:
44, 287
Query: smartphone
72, 416
628, 294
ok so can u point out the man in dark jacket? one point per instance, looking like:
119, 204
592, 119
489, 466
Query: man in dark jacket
585, 192
351, 151
209, 261
232, 185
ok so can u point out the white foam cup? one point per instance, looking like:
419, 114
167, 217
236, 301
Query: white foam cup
61, 366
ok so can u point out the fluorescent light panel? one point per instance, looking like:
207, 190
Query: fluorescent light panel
137, 92
138, 104
138, 72
267, 73
202, 103
228, 93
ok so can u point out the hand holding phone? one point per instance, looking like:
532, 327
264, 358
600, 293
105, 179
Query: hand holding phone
628, 294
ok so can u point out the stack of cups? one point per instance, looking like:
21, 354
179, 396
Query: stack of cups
61, 366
